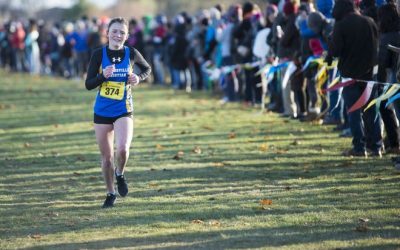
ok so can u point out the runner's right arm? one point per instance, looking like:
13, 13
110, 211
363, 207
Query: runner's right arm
93, 77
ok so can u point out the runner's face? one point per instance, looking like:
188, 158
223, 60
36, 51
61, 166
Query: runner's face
117, 34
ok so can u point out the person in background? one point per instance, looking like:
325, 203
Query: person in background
355, 43
389, 33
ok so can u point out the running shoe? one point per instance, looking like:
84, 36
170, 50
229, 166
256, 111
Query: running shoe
122, 186
109, 202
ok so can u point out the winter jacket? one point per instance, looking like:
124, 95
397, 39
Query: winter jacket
354, 41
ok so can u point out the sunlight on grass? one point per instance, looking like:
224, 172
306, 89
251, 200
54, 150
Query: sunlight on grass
201, 175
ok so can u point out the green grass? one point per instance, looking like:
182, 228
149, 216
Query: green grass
51, 187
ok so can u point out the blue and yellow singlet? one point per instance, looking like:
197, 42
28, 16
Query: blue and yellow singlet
114, 97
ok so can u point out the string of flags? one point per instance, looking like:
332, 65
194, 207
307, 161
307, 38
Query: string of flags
267, 70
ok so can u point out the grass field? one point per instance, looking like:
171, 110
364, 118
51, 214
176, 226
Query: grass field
201, 175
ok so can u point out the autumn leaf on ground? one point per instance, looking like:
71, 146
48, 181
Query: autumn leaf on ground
296, 142
263, 147
232, 135
197, 150
362, 225
214, 223
52, 214
159, 147
197, 222
266, 202
184, 112
218, 164
27, 145
178, 155
281, 151
55, 154
208, 128
35, 236
153, 185
70, 223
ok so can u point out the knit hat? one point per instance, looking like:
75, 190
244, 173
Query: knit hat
247, 7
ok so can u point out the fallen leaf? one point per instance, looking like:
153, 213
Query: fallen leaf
218, 164
197, 150
178, 155
281, 151
266, 202
27, 145
232, 135
263, 147
55, 154
70, 223
214, 223
208, 128
52, 214
295, 143
197, 222
159, 147
363, 220
35, 236
153, 185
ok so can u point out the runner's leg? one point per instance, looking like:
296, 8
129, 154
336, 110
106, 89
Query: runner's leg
105, 138
123, 137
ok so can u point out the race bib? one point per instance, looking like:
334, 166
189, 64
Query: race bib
113, 90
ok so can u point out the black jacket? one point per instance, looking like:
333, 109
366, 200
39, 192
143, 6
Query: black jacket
355, 43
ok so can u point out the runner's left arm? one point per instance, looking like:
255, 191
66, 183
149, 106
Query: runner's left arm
139, 61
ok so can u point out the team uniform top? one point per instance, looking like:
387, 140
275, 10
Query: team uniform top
114, 96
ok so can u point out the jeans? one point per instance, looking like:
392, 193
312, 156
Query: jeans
366, 130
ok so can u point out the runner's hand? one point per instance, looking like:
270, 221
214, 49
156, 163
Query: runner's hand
108, 71
133, 79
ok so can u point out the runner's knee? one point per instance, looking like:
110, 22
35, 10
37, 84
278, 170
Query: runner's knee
123, 153
107, 161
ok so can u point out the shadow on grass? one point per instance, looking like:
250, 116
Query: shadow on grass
222, 239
